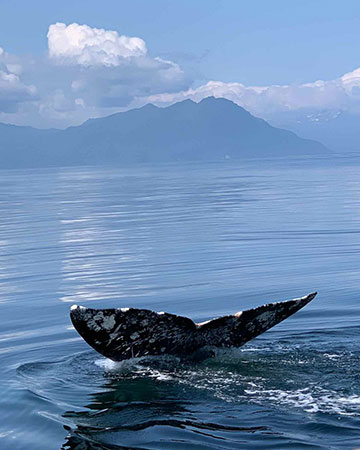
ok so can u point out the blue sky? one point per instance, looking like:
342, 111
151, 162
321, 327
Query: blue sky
254, 43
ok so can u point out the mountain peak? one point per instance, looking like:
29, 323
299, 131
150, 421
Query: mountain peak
149, 106
213, 99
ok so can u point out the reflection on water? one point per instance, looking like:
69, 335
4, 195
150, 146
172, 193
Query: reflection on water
198, 240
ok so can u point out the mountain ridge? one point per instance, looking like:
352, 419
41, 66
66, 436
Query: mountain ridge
212, 129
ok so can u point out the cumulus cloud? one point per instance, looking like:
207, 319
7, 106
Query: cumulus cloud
81, 44
13, 91
87, 72
118, 86
100, 71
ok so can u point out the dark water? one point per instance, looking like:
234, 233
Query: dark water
198, 240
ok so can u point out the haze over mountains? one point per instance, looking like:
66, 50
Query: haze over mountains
212, 129
337, 129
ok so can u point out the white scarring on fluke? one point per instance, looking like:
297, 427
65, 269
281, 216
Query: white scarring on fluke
124, 333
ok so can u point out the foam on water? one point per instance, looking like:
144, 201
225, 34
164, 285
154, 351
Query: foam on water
310, 399
226, 378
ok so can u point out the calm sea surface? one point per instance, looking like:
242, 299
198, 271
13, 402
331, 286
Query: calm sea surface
200, 240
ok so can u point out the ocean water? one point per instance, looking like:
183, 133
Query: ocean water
200, 240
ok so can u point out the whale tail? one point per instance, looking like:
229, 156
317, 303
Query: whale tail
125, 333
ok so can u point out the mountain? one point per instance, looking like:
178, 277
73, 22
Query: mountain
210, 130
338, 130
24, 146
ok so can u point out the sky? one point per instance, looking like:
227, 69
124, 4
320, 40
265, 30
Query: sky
63, 62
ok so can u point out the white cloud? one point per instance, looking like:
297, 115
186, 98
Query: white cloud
92, 72
80, 101
87, 72
13, 91
97, 72
81, 44
341, 93
14, 68
351, 82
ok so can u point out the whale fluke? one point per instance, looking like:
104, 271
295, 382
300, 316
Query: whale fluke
125, 333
